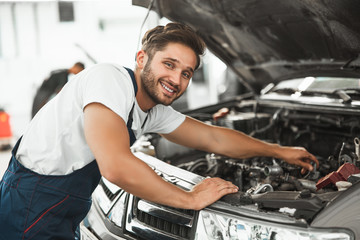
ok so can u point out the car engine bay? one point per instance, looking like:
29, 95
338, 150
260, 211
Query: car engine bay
327, 133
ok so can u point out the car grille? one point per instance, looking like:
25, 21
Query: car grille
160, 222
111, 196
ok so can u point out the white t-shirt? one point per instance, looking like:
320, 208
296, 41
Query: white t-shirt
54, 142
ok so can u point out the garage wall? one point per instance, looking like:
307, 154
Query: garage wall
34, 42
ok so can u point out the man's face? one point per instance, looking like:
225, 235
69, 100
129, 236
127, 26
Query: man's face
166, 76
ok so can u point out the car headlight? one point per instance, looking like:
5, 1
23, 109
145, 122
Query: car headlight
219, 226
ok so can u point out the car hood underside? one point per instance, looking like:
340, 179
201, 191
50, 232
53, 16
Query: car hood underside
268, 41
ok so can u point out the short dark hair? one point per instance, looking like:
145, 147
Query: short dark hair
158, 38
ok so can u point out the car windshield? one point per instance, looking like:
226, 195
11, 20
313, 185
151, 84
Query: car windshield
317, 84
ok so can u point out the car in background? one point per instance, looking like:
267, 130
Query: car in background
300, 62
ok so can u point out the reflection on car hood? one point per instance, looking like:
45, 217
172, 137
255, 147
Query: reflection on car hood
268, 41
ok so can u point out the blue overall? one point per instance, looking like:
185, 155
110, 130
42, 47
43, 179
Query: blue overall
34, 206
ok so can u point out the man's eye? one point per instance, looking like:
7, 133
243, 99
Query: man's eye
168, 64
186, 75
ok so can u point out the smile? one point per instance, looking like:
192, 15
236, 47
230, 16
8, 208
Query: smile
166, 88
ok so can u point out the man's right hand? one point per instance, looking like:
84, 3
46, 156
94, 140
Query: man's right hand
210, 190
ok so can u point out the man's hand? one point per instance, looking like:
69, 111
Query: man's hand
210, 190
298, 156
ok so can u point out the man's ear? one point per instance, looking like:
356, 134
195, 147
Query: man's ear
141, 59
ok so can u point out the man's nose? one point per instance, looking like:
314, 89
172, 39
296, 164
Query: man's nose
176, 77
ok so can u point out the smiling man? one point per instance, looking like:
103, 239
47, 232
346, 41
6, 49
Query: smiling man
46, 191
167, 74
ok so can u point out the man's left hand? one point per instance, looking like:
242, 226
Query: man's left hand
298, 156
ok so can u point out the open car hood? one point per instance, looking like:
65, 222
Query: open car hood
269, 41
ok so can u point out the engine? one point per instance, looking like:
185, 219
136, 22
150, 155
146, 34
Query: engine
331, 137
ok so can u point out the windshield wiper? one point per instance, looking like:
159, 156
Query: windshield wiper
343, 95
346, 93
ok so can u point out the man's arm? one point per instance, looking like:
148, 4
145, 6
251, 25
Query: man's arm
107, 136
195, 134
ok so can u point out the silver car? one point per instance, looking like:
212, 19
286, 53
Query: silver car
299, 61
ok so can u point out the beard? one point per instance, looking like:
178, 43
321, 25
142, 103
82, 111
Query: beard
149, 84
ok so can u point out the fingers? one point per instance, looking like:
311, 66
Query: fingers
314, 159
219, 186
210, 190
305, 159
226, 187
306, 163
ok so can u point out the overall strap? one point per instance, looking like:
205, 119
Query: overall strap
131, 73
15, 148
130, 117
